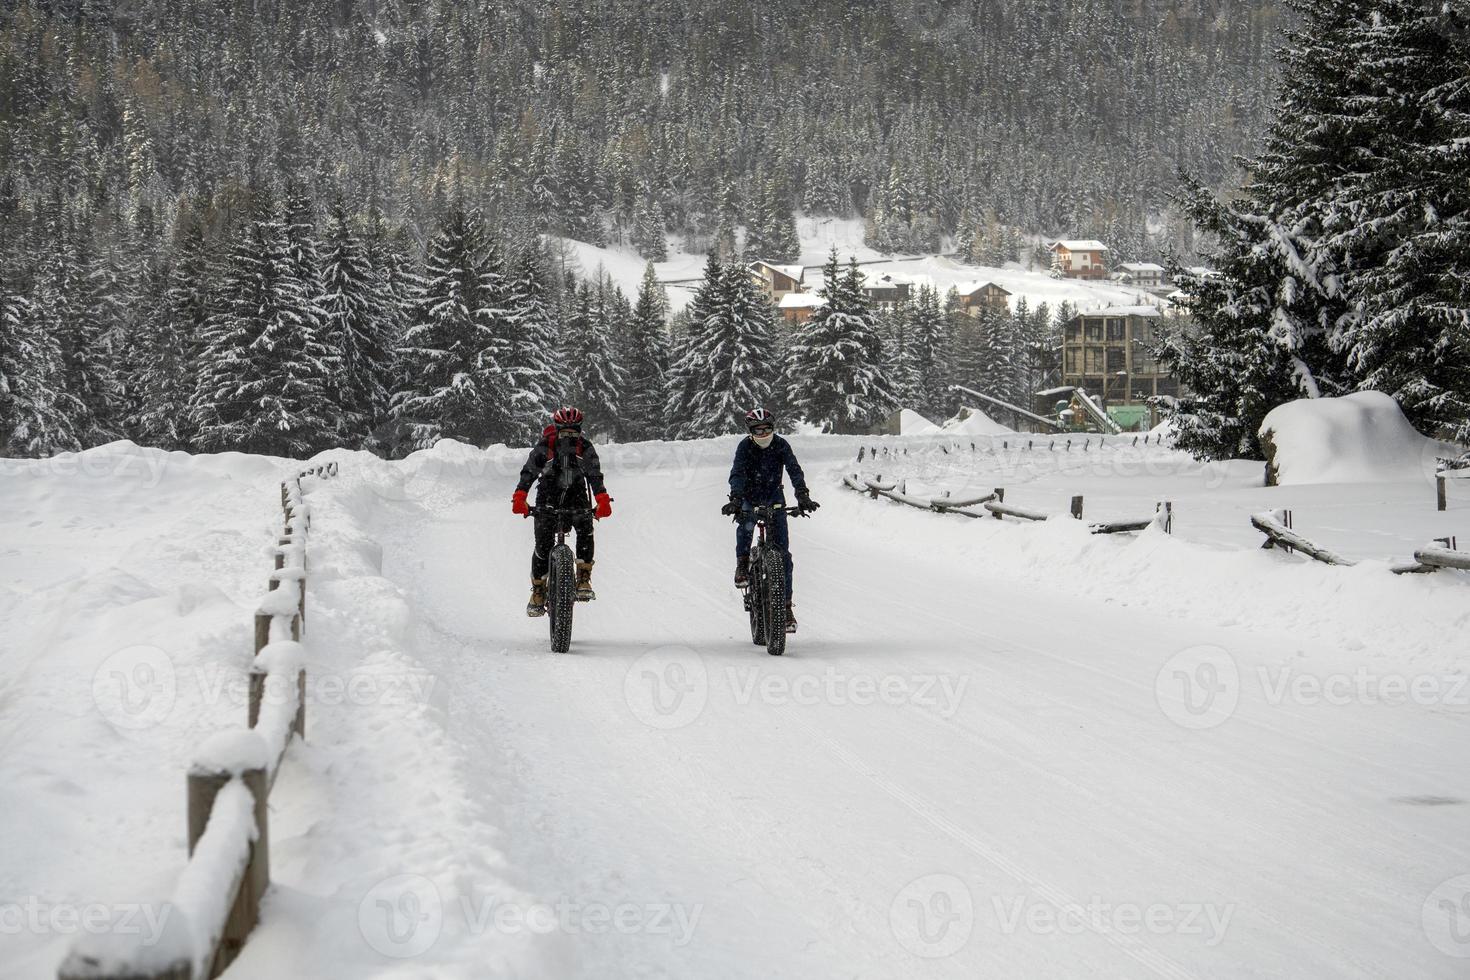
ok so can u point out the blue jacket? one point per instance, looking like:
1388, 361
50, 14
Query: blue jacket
756, 475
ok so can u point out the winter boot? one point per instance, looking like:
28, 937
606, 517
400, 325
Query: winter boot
537, 604
790, 618
584, 582
742, 571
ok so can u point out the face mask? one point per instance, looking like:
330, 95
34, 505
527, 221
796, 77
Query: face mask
763, 441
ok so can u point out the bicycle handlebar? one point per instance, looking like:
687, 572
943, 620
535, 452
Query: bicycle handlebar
764, 511
558, 511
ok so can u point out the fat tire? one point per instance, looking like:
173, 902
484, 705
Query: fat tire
754, 593
561, 597
773, 570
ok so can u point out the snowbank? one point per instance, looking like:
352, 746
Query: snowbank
1358, 438
973, 422
911, 423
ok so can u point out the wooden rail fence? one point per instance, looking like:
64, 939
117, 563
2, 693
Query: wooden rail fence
994, 503
216, 902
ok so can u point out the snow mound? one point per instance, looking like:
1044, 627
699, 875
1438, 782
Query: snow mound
1358, 438
973, 422
911, 423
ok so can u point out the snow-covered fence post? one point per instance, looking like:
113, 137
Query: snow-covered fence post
208, 779
1439, 488
1165, 510
1000, 498
1077, 507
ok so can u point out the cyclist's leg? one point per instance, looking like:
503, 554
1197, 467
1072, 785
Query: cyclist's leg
545, 530
586, 543
744, 532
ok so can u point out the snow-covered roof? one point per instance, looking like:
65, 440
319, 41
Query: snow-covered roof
800, 301
1178, 296
873, 277
975, 285
1079, 245
1123, 311
1141, 267
789, 271
1201, 270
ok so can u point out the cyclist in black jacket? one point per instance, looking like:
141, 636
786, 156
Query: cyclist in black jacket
564, 465
757, 478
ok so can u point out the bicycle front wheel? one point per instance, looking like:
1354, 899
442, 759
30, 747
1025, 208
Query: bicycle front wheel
773, 571
561, 597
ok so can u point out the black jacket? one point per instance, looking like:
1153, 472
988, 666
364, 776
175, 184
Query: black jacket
564, 471
756, 475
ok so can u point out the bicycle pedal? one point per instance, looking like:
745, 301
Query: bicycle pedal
535, 611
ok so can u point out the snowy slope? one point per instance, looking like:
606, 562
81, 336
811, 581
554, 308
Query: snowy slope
820, 235
974, 761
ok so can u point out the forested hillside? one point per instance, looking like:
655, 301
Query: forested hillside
235, 225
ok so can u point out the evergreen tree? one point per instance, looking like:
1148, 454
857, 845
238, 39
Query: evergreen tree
263, 378
838, 355
359, 325
532, 360
647, 360
723, 369
928, 339
35, 410
451, 356
595, 379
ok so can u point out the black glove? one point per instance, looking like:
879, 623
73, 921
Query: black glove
804, 500
733, 507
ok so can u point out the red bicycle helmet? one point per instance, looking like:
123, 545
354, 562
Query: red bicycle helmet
567, 417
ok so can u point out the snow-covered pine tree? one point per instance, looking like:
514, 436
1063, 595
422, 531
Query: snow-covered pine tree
648, 230
1404, 229
724, 367
928, 338
595, 379
838, 356
263, 375
647, 361
532, 359
71, 301
895, 327
35, 410
359, 323
450, 357
173, 345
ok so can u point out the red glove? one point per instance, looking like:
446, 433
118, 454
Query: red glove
604, 506
518, 504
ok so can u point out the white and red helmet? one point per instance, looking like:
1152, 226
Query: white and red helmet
758, 417
567, 417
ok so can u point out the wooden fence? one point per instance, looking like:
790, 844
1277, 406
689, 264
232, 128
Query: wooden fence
1046, 444
217, 897
995, 505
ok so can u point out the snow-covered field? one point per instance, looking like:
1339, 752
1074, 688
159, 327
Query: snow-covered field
994, 748
819, 235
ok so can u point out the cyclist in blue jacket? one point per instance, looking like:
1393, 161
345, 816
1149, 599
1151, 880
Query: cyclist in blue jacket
756, 479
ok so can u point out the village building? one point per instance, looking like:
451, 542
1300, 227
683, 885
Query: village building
886, 289
977, 296
1079, 258
799, 307
1147, 275
1108, 354
777, 280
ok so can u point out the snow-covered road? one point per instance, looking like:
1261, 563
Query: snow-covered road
946, 776
994, 749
